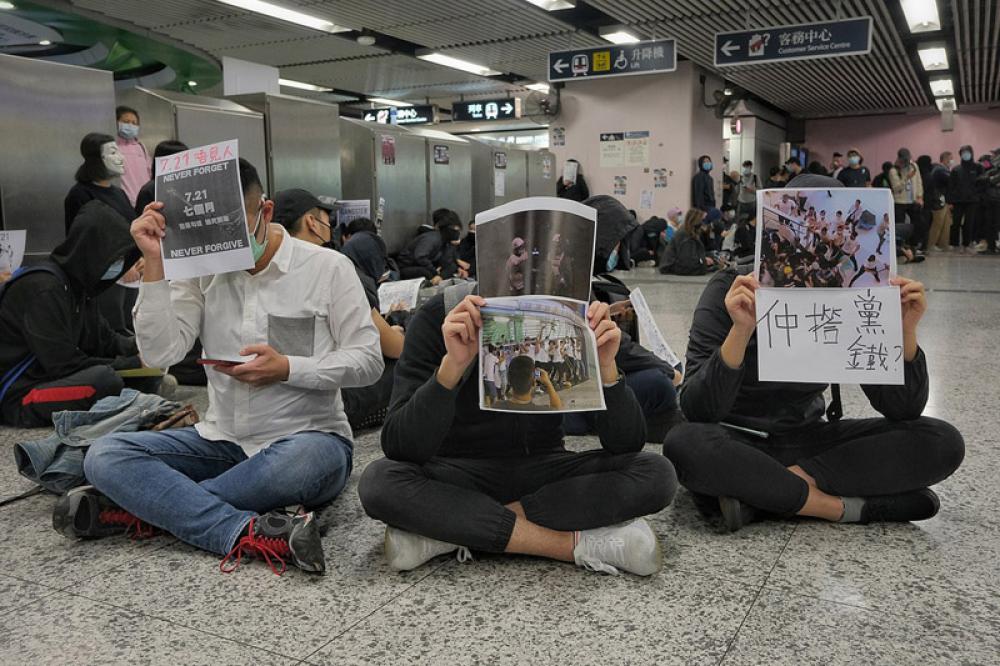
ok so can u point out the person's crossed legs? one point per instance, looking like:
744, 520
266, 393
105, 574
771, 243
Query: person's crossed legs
853, 470
206, 493
552, 505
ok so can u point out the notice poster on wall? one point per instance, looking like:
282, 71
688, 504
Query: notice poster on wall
388, 149
12, 245
612, 149
500, 160
352, 209
547, 167
499, 183
621, 185
441, 155
847, 336
659, 179
202, 199
558, 136
646, 200
636, 149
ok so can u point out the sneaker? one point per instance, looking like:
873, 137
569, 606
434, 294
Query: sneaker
981, 246
901, 507
85, 513
405, 550
167, 387
280, 540
736, 514
632, 547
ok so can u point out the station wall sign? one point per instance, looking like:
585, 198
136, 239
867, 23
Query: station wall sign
488, 109
802, 41
614, 60
423, 114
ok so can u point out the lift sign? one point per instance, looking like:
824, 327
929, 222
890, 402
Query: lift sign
490, 109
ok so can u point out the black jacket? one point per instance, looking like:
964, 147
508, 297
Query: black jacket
859, 177
703, 191
578, 191
367, 251
684, 255
424, 253
467, 252
426, 419
713, 392
146, 195
962, 183
81, 193
60, 323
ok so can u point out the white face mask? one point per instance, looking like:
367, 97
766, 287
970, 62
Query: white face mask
113, 159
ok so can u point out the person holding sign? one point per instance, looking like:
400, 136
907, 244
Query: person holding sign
572, 185
758, 448
282, 339
457, 477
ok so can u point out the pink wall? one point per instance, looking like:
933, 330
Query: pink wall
879, 137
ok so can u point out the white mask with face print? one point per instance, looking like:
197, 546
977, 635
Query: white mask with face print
113, 159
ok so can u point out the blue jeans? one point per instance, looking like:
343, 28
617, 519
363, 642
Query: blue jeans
653, 389
205, 492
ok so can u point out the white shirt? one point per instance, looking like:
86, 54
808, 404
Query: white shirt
490, 368
308, 304
556, 356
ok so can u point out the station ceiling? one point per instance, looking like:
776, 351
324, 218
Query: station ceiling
514, 37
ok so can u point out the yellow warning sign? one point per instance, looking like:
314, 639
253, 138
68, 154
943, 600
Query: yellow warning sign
602, 61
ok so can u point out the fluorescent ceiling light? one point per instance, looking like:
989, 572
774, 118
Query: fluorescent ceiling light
617, 34
456, 63
6, 5
389, 102
45, 42
942, 87
301, 85
192, 83
933, 58
553, 5
921, 15
540, 87
285, 14
949, 101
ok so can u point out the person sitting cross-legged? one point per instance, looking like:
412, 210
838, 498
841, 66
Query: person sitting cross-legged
275, 434
456, 476
754, 448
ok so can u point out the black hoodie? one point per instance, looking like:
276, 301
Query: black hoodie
367, 251
59, 322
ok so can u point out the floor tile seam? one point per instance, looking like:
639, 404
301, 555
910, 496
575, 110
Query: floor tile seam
48, 592
155, 616
393, 599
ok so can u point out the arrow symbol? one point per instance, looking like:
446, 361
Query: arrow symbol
728, 48
507, 108
369, 116
559, 66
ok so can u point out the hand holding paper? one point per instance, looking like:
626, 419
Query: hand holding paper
913, 304
741, 303
609, 338
461, 339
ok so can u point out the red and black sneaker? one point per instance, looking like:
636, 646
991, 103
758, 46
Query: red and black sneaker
85, 513
280, 539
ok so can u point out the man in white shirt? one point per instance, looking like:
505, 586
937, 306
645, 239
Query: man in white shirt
275, 433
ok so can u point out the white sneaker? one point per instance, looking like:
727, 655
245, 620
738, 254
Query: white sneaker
981, 246
406, 550
632, 547
168, 387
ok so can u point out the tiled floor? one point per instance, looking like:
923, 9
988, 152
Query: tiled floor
787, 592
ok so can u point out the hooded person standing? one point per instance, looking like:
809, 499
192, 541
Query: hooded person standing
702, 185
138, 166
963, 195
52, 329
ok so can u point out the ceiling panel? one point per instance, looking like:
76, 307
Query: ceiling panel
379, 73
315, 48
977, 44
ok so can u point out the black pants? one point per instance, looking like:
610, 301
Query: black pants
31, 406
461, 500
414, 272
963, 223
851, 457
988, 223
366, 406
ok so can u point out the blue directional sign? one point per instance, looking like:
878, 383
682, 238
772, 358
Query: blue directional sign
794, 42
613, 60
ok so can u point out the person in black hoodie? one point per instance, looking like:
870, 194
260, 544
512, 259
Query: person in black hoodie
576, 190
702, 185
755, 448
52, 315
365, 248
147, 193
429, 254
963, 195
467, 251
458, 476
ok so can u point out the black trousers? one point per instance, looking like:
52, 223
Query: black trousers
963, 223
366, 406
32, 405
461, 500
850, 457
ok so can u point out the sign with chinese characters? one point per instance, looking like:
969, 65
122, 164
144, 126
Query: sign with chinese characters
422, 114
490, 109
500, 160
847, 336
12, 249
399, 295
351, 209
202, 199
441, 154
794, 42
618, 60
620, 188
388, 150
625, 149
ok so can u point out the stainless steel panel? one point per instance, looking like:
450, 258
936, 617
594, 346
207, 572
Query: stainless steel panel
541, 181
303, 142
198, 125
45, 110
448, 185
482, 176
357, 160
516, 178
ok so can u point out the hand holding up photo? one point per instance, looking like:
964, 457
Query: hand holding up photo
461, 339
609, 338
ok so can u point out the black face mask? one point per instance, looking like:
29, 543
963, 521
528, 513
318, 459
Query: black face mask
450, 234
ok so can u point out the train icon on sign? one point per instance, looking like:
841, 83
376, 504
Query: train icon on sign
580, 64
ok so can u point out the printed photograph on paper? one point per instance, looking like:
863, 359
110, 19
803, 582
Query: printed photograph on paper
536, 246
538, 354
841, 237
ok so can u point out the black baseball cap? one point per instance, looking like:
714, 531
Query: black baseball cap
290, 205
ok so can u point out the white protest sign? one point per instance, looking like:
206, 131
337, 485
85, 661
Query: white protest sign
352, 209
12, 249
403, 292
846, 336
570, 170
652, 339
203, 205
